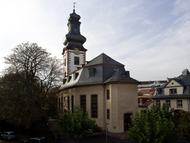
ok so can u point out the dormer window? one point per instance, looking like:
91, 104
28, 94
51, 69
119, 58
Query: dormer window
92, 72
69, 78
173, 91
64, 81
76, 75
159, 90
76, 60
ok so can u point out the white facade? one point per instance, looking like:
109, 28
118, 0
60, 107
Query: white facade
123, 99
176, 93
174, 104
173, 85
69, 63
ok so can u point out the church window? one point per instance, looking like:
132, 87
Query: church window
76, 60
108, 94
108, 114
72, 103
68, 103
59, 104
94, 106
83, 103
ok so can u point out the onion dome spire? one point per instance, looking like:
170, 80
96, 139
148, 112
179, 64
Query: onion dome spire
74, 3
74, 39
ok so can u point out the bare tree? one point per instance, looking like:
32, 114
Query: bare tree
36, 64
31, 74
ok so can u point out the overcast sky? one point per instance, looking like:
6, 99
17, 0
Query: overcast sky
150, 37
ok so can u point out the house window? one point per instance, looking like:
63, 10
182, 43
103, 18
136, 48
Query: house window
168, 103
76, 60
158, 103
179, 103
108, 114
108, 94
83, 103
173, 91
94, 106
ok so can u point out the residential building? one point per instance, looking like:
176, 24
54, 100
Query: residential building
146, 90
101, 87
175, 93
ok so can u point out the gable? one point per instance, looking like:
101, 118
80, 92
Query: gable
173, 83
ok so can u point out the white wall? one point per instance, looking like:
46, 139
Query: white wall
173, 84
69, 55
173, 103
123, 99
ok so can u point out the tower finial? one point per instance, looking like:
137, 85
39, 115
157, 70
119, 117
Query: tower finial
74, 4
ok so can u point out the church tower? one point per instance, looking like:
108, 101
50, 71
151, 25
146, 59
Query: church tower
74, 54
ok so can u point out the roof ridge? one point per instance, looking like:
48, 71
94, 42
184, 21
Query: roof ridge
103, 59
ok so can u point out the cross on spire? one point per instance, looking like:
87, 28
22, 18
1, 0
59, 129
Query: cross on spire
74, 4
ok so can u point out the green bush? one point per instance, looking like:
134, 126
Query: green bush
154, 125
182, 124
77, 124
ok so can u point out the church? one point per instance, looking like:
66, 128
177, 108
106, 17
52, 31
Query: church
101, 87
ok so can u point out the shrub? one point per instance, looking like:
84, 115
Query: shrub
155, 125
182, 124
77, 124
